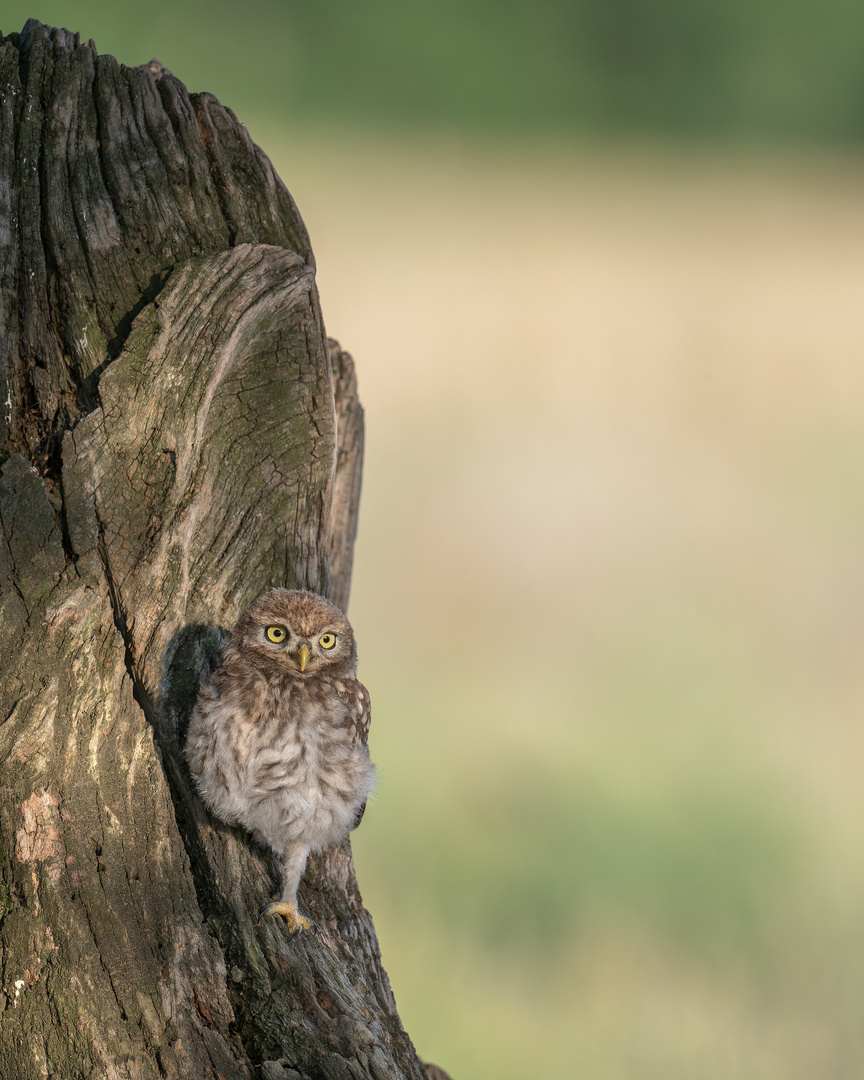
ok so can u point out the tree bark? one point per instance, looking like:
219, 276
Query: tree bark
178, 436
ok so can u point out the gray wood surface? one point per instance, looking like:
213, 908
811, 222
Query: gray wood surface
178, 436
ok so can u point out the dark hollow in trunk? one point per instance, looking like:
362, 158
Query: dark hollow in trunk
179, 435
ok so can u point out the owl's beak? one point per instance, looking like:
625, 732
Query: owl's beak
303, 656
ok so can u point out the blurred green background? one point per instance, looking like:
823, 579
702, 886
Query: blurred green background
601, 265
742, 68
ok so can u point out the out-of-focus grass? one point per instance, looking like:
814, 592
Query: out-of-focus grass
776, 69
521, 851
606, 901
608, 592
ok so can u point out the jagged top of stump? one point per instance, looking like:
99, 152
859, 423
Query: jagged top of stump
110, 176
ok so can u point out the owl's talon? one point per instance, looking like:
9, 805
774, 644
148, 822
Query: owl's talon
296, 923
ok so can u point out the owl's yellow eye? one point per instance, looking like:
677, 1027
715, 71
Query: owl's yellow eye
327, 641
276, 634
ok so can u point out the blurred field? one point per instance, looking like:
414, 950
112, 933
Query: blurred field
609, 591
751, 69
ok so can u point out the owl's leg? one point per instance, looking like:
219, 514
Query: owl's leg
291, 865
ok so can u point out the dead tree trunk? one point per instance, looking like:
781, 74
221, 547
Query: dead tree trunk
177, 438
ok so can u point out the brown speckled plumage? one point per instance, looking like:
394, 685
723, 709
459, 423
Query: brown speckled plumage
277, 740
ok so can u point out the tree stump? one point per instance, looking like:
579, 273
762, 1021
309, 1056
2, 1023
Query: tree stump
179, 435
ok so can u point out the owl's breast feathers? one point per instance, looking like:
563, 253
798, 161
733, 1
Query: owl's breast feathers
251, 703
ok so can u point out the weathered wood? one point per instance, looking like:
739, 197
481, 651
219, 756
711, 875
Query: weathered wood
178, 437
349, 468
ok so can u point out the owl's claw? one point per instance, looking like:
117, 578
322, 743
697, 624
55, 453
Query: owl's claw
296, 923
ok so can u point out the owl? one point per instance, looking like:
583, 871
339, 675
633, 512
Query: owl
277, 740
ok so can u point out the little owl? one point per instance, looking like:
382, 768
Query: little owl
277, 738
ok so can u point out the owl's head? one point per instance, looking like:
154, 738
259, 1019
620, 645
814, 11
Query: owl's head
298, 633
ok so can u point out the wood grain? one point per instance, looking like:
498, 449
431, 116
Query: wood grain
179, 436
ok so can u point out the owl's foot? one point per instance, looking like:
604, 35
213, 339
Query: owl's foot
296, 922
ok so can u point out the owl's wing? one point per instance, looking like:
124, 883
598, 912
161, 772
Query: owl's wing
358, 710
